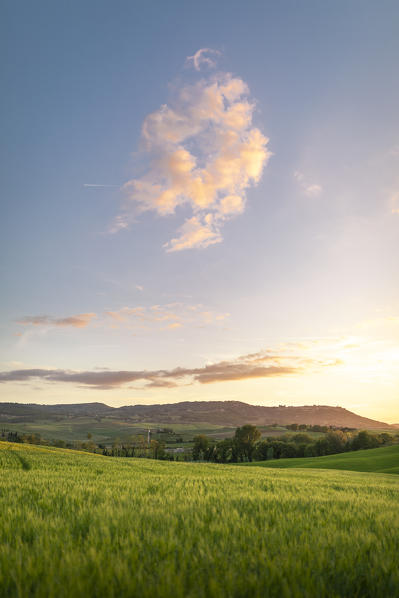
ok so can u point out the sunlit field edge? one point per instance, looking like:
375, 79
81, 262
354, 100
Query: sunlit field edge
379, 460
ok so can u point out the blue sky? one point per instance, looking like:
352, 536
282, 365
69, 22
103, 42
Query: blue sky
300, 269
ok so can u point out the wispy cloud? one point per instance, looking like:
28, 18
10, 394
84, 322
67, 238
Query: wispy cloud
168, 316
309, 188
146, 318
203, 58
204, 154
256, 365
76, 321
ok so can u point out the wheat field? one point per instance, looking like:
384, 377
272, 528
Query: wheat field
77, 524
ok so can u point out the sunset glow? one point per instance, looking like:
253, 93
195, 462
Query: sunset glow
193, 217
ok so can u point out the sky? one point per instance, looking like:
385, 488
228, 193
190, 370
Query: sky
200, 201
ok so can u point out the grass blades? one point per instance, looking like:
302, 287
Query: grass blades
77, 524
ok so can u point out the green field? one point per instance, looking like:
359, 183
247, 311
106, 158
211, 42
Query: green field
382, 460
106, 430
78, 524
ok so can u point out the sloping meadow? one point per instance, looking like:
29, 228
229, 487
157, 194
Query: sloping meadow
76, 524
379, 460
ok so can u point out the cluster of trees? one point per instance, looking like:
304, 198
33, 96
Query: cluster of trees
241, 447
333, 442
168, 435
35, 438
15, 437
247, 446
316, 428
139, 448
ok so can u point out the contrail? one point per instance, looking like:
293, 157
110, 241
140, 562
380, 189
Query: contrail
96, 185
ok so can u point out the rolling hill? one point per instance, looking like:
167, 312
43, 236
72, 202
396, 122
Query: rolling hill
225, 413
379, 460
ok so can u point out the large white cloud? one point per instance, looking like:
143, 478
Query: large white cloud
203, 153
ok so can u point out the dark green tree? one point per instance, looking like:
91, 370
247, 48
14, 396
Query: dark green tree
336, 442
364, 440
245, 439
200, 448
222, 452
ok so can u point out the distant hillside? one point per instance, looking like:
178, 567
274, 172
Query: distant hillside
381, 460
31, 411
225, 413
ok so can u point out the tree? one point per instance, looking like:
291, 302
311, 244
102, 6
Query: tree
289, 450
385, 438
301, 438
310, 451
245, 439
158, 450
262, 450
336, 442
222, 451
364, 440
201, 447
321, 447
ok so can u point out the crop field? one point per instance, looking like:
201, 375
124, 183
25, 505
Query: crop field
382, 460
78, 524
107, 430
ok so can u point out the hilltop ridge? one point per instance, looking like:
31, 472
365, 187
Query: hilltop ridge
226, 413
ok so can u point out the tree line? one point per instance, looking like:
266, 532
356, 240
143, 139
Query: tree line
137, 447
246, 445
